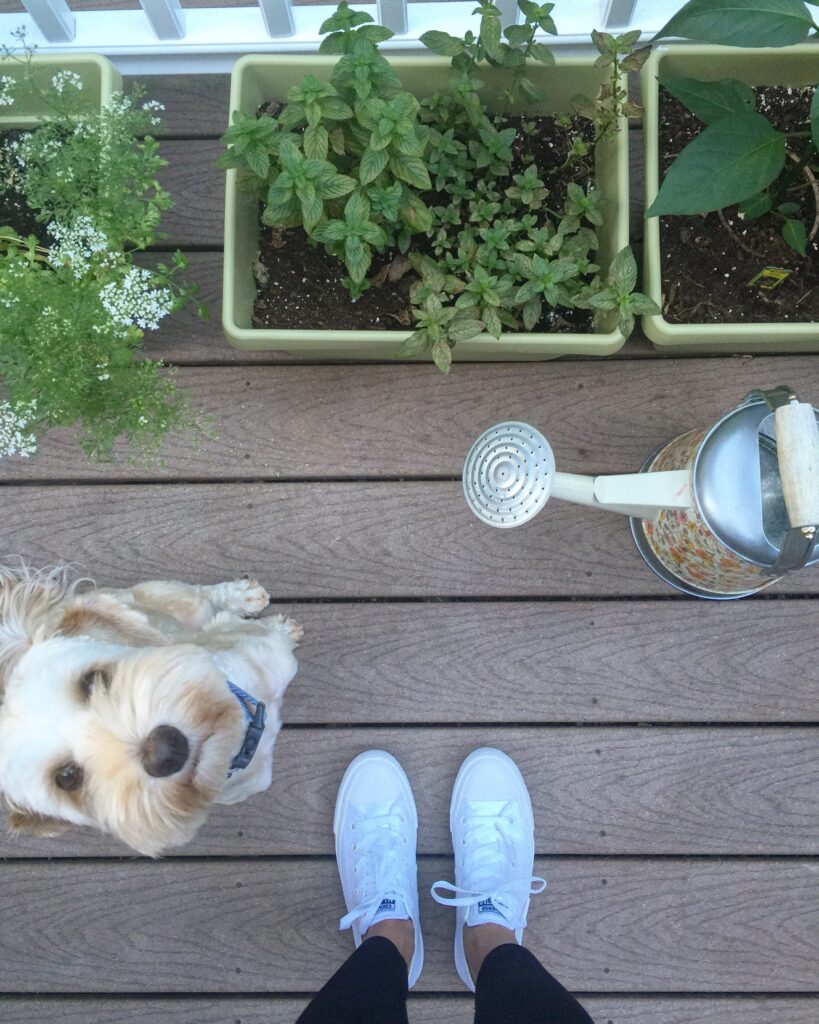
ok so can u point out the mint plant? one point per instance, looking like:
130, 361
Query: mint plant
364, 168
740, 158
359, 132
74, 307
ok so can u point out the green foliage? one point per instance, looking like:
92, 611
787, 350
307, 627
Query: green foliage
73, 306
356, 137
619, 293
740, 157
732, 159
709, 101
611, 102
741, 22
364, 168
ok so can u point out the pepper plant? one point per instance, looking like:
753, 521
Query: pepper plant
740, 158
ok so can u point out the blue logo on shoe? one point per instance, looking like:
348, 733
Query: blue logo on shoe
486, 907
386, 905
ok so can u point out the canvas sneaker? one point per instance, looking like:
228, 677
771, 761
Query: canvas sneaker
493, 838
375, 826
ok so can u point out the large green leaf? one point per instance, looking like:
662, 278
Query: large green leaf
709, 101
795, 234
411, 169
442, 43
741, 22
316, 141
357, 257
373, 162
731, 160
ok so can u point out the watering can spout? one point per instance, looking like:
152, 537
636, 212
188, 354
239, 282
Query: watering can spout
631, 494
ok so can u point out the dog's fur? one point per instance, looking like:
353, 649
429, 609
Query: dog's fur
85, 676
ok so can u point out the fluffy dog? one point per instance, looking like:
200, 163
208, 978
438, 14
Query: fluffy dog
133, 711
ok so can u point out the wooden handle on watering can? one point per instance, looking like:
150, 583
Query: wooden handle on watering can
797, 446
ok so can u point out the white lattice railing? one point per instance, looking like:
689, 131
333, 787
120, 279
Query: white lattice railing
163, 36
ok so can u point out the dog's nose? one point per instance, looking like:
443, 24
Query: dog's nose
164, 752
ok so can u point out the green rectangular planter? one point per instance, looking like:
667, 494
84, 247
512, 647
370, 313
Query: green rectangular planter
99, 77
257, 79
788, 66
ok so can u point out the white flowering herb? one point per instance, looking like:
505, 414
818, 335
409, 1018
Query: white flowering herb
73, 306
7, 84
15, 436
66, 80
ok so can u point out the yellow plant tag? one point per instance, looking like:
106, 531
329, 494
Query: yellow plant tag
770, 278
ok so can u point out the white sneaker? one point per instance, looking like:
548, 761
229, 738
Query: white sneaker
493, 837
375, 826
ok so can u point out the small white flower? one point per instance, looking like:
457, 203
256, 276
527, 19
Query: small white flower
15, 437
135, 302
76, 245
66, 79
7, 84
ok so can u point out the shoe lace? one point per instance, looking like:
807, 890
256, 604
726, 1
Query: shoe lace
491, 842
380, 855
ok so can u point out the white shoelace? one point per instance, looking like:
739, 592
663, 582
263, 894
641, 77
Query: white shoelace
380, 849
491, 843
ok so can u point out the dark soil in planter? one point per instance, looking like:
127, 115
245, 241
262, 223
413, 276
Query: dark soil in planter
14, 211
707, 261
300, 284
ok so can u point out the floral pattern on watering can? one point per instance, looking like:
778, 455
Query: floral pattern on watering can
684, 544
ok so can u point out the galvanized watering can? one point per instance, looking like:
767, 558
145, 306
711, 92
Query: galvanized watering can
719, 513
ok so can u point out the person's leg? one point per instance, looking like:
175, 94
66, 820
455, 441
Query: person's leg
370, 986
513, 987
375, 827
493, 838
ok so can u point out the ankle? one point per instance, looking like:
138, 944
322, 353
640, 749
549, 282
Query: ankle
400, 933
480, 940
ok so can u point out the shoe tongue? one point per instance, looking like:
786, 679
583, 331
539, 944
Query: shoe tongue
391, 908
486, 911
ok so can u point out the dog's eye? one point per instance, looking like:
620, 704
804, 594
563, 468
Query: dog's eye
95, 677
69, 777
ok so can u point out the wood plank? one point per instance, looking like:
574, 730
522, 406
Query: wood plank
332, 540
196, 106
270, 926
598, 791
453, 1009
197, 187
362, 421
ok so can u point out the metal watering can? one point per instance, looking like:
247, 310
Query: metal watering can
719, 513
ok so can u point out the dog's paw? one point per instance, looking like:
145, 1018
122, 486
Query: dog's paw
243, 597
295, 629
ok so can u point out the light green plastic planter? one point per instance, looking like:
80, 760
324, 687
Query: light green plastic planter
99, 77
257, 79
789, 66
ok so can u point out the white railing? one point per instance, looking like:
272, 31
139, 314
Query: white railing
165, 37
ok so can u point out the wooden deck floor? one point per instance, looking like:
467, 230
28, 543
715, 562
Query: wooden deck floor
670, 746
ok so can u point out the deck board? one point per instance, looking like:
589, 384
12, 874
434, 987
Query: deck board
341, 540
453, 1009
608, 925
600, 791
307, 423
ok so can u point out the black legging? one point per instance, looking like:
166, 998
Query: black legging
512, 988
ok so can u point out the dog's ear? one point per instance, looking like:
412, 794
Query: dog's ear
25, 822
27, 599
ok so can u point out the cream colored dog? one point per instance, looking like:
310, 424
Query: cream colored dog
133, 711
